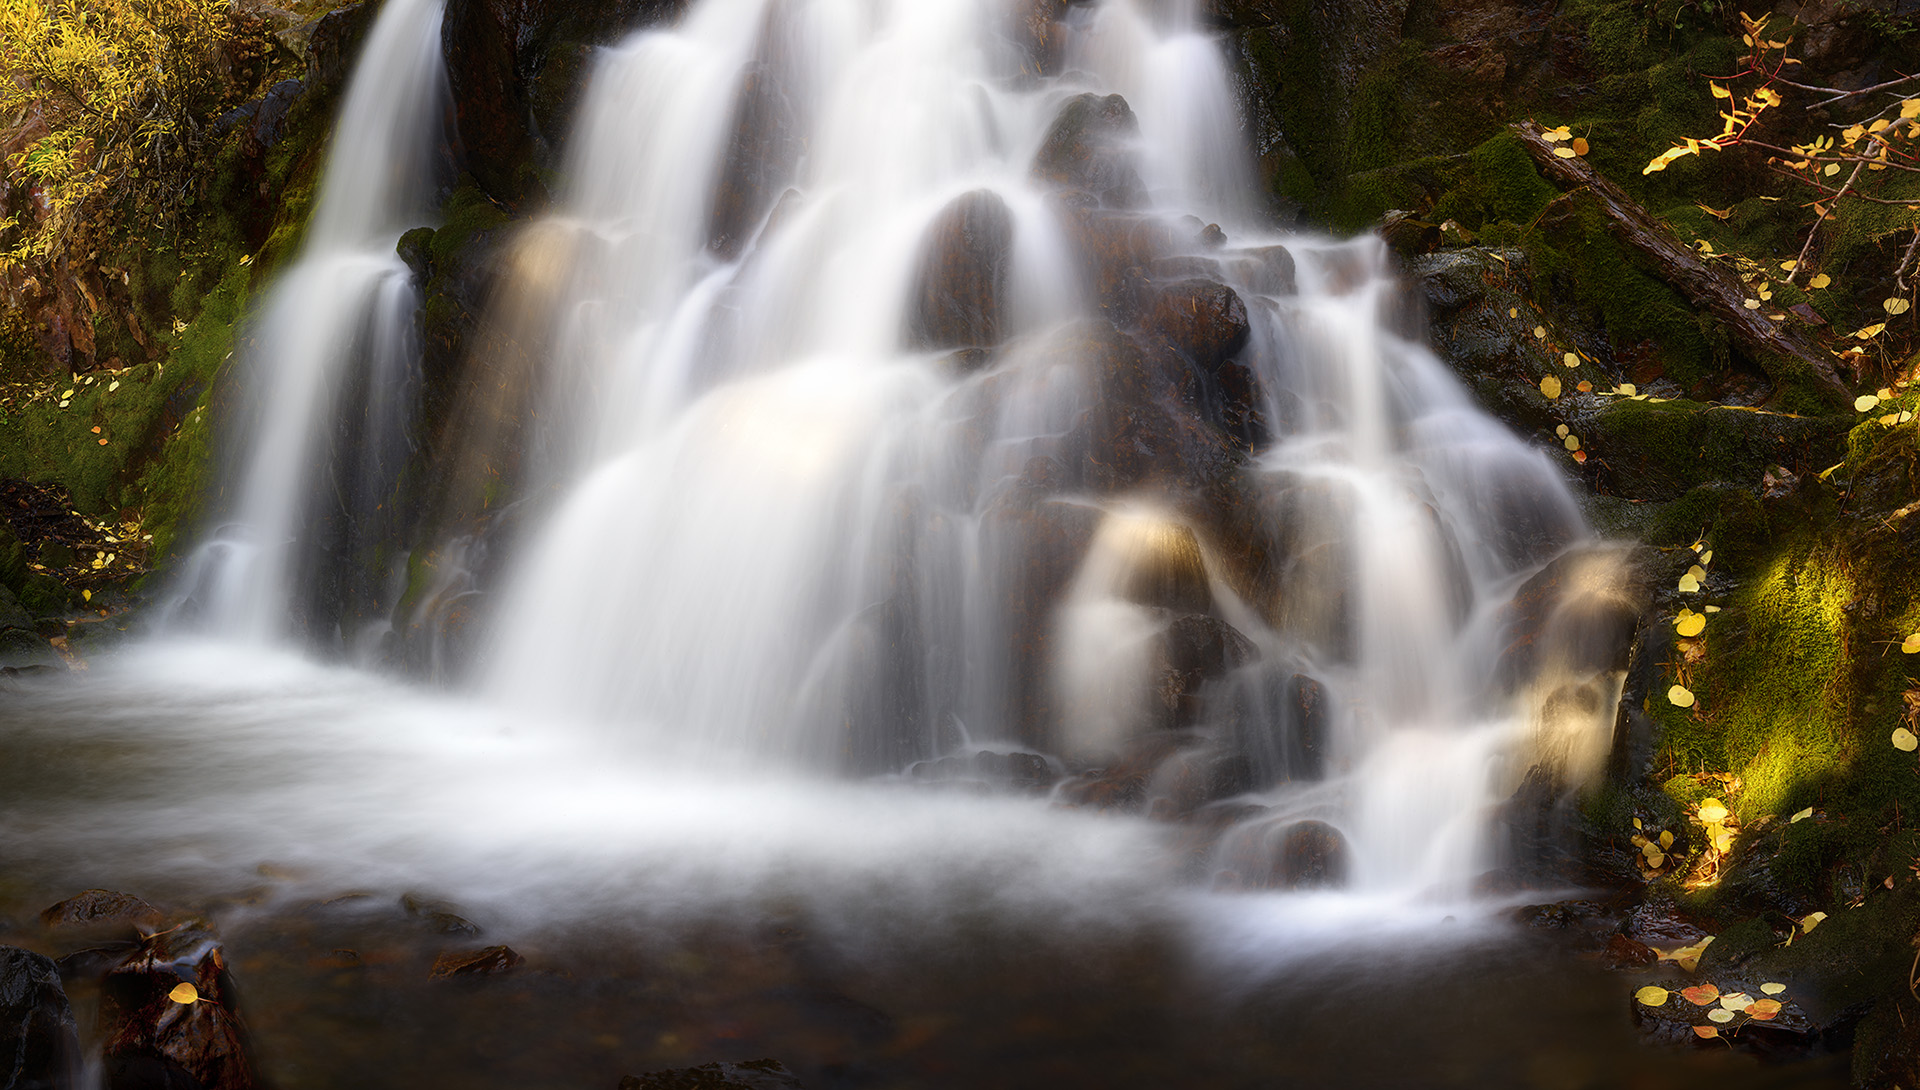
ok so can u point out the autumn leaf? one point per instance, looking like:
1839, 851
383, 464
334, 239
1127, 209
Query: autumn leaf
1572, 442
1904, 740
1550, 387
1680, 697
1712, 810
1820, 281
1570, 360
1801, 816
1720, 1014
1894, 306
184, 993
1911, 645
1764, 1010
1690, 624
1580, 145
1773, 988
1736, 1001
1811, 921
1701, 994
1689, 583
1652, 995
1706, 1031
1866, 402
1666, 839
1687, 957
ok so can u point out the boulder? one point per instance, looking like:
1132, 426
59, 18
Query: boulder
39, 1046
1090, 148
960, 291
487, 961
745, 1075
103, 910
158, 1036
1268, 854
760, 158
1204, 319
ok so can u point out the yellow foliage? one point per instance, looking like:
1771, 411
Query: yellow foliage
114, 89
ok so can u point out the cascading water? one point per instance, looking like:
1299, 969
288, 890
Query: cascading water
906, 389
332, 365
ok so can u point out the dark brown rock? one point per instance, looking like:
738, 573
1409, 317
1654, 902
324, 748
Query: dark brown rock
1090, 148
487, 961
1034, 28
155, 1042
39, 1046
1578, 612
103, 909
745, 1075
1624, 953
760, 158
1204, 319
959, 294
1292, 855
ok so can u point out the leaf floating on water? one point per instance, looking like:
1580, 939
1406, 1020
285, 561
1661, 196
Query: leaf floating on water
1652, 995
1809, 922
1720, 1014
1690, 624
1773, 988
1712, 810
184, 993
1701, 995
1706, 1031
1801, 816
1904, 740
1764, 1010
1911, 645
1550, 386
1680, 697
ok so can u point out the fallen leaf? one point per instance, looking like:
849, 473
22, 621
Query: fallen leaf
1764, 1010
1904, 741
1513, 312
1911, 645
1894, 306
1690, 624
1652, 995
1820, 281
1701, 994
1569, 359
1736, 1001
184, 993
1572, 442
1712, 810
1680, 697
1801, 816
1697, 572
1565, 153
1865, 402
1584, 386
1666, 839
1580, 145
1580, 456
1550, 387
1808, 923
1773, 988
1720, 1014
1688, 584
1540, 332
1686, 957
1706, 1031
1561, 431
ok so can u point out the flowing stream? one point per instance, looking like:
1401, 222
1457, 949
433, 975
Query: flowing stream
769, 634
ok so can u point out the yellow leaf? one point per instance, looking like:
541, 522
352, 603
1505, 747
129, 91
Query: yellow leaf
1711, 609
1637, 825
1820, 281
1626, 389
1808, 923
86, 596
1719, 91
1691, 625
1557, 135
1894, 306
1689, 584
1800, 816
1550, 387
1911, 645
1751, 304
1904, 741
1870, 332
1680, 697
1666, 840
1764, 1009
1572, 442
1513, 312
112, 386
1865, 402
1789, 265
1540, 332
1652, 995
1570, 360
1722, 840
1565, 153
1706, 557
1712, 810
1831, 169
184, 993
1773, 989
1910, 108
1697, 572
1720, 1014
1736, 1001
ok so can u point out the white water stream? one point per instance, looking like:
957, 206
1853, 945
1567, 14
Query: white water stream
764, 541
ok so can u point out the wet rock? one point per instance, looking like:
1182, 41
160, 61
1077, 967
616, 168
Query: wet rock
1026, 772
958, 296
1090, 148
1193, 650
1195, 778
103, 910
513, 70
1114, 249
1204, 319
487, 961
333, 44
1265, 270
746, 1075
1285, 855
761, 155
155, 1042
39, 1046
1624, 953
438, 916
1121, 785
1578, 612
1034, 28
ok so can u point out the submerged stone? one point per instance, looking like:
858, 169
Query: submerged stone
39, 1046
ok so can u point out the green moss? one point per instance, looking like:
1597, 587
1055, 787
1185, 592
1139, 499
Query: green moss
1772, 689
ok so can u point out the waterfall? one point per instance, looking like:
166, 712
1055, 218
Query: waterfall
904, 386
331, 363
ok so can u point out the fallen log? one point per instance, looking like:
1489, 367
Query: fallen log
1782, 350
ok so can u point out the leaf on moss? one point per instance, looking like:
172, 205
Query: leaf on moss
1866, 402
1811, 921
1689, 623
1904, 740
1911, 645
1800, 816
1680, 697
1712, 810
